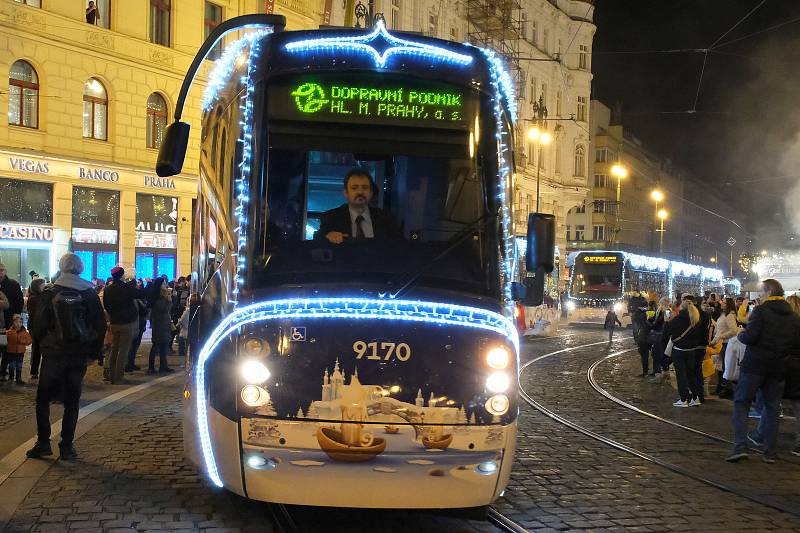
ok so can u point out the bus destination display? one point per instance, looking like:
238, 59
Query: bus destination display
427, 105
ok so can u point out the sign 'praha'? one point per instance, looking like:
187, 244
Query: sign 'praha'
372, 102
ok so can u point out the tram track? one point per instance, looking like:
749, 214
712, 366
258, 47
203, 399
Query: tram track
634, 451
503, 523
282, 518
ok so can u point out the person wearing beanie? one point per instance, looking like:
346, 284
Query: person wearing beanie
119, 300
66, 350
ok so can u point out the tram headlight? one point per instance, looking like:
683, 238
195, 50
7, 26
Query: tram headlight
254, 372
487, 468
617, 307
498, 382
254, 396
571, 305
498, 404
498, 357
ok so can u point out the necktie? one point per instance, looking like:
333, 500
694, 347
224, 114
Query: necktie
359, 227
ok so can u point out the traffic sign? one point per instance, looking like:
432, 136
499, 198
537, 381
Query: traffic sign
731, 241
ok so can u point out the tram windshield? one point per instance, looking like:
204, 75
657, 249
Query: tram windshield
597, 277
419, 210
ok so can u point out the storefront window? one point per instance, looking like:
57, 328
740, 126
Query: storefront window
156, 235
95, 224
26, 201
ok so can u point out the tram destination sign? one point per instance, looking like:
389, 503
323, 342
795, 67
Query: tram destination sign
372, 100
601, 259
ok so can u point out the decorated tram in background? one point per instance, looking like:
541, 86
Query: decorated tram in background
604, 277
375, 372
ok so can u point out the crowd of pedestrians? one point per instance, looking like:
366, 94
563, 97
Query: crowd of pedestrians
71, 323
751, 350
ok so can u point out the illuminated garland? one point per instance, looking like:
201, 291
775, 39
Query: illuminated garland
366, 44
223, 68
335, 308
500, 92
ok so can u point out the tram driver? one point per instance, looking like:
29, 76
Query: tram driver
356, 218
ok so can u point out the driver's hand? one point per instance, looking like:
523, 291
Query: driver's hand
336, 237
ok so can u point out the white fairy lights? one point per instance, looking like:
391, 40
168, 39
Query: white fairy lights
389, 44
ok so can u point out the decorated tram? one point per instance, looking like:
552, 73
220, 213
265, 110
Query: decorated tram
369, 369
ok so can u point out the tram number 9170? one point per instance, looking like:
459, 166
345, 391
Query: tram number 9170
383, 351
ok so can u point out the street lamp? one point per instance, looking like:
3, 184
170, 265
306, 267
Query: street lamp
538, 134
663, 214
620, 172
657, 196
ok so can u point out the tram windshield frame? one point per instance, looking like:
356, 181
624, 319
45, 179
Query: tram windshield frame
429, 180
593, 274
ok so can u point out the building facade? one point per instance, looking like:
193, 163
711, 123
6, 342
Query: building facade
90, 88
622, 214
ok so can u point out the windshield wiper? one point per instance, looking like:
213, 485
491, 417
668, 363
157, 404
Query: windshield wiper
455, 240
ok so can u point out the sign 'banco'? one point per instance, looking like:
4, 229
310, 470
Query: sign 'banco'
98, 174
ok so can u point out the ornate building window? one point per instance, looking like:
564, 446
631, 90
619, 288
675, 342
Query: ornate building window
32, 3
156, 120
159, 21
580, 160
212, 19
23, 95
95, 110
581, 117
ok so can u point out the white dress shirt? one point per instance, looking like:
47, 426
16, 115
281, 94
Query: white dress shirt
366, 224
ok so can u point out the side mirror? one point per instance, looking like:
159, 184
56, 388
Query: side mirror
539, 256
534, 293
173, 149
540, 252
518, 291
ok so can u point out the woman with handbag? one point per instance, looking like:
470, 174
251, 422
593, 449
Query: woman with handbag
725, 330
656, 338
681, 346
4, 305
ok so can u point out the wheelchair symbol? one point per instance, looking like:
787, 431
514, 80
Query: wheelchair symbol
298, 334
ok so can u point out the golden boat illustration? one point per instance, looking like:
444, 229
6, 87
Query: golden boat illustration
332, 443
438, 444
391, 430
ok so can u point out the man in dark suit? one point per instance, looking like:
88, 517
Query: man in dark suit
356, 218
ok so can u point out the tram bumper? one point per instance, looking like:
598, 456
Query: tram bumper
398, 469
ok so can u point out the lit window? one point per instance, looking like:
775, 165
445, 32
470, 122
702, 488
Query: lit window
599, 206
98, 13
95, 110
580, 160
159, 21
23, 95
213, 18
156, 120
581, 109
396, 16
599, 233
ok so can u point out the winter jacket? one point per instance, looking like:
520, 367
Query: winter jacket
16, 302
179, 296
160, 321
18, 340
742, 314
726, 328
611, 318
657, 323
34, 294
183, 323
700, 333
4, 304
676, 329
44, 324
772, 334
118, 300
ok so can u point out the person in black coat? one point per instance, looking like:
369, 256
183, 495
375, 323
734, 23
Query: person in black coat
684, 343
792, 389
64, 360
13, 293
771, 336
356, 219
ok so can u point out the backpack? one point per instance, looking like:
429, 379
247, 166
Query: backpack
72, 318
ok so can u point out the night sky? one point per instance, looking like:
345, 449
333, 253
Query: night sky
744, 136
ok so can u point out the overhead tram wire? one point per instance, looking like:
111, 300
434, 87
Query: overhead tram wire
705, 56
759, 32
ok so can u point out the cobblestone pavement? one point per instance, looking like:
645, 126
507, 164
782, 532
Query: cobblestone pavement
132, 475
564, 480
